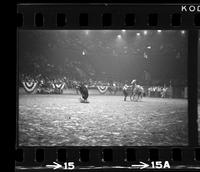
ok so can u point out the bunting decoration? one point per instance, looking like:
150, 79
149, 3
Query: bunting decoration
59, 86
102, 89
29, 86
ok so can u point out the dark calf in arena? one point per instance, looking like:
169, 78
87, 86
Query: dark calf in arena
84, 92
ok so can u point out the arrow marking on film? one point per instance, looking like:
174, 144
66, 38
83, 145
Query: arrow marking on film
56, 166
141, 165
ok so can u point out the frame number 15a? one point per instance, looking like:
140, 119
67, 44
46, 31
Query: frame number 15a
160, 164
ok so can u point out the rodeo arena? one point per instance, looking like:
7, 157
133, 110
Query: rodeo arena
127, 89
102, 88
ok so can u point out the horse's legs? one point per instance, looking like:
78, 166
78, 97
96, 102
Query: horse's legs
135, 97
139, 96
132, 96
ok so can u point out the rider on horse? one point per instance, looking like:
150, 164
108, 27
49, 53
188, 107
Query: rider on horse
137, 90
128, 89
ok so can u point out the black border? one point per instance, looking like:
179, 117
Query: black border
108, 1
118, 12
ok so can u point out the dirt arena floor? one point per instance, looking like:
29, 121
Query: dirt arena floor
61, 120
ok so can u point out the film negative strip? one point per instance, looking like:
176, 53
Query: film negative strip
108, 87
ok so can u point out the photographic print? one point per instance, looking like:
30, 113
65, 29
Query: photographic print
102, 88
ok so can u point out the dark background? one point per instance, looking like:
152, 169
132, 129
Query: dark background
101, 55
199, 61
108, 1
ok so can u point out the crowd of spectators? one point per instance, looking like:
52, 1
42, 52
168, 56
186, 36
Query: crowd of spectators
157, 91
69, 82
44, 82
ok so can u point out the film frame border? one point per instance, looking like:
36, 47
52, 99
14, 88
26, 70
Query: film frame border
113, 16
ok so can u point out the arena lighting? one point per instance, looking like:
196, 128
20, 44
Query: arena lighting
83, 53
159, 31
87, 32
138, 34
119, 36
182, 32
145, 32
123, 31
149, 47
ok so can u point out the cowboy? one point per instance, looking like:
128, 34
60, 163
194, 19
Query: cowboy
133, 82
125, 90
125, 87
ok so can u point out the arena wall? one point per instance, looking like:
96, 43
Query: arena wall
172, 93
73, 92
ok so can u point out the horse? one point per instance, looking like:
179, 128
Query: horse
134, 91
138, 92
127, 91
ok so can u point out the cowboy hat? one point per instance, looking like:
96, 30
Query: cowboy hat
133, 81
